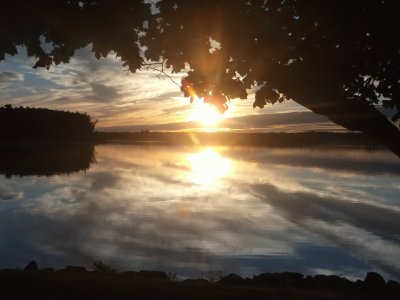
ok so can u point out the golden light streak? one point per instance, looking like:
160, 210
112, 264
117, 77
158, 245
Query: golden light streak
207, 166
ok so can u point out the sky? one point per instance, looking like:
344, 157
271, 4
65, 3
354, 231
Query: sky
123, 101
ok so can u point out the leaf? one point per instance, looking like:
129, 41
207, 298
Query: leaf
388, 104
43, 62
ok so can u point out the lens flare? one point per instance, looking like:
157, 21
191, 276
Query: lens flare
204, 113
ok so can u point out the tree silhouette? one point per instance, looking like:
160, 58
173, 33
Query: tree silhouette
28, 123
337, 58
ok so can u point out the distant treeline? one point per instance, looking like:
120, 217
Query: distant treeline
301, 139
25, 123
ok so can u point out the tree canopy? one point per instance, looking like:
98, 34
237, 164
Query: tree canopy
20, 123
338, 58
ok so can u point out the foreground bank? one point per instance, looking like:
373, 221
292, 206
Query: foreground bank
74, 282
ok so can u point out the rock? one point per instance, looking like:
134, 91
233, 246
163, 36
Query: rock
32, 266
130, 274
157, 275
231, 279
266, 279
248, 280
358, 282
291, 276
74, 269
279, 279
374, 280
47, 270
329, 282
196, 281
393, 285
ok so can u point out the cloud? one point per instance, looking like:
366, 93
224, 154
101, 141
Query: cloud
349, 161
175, 109
381, 221
87, 58
9, 76
103, 93
103, 180
137, 208
6, 194
7, 79
259, 121
122, 216
353, 225
111, 94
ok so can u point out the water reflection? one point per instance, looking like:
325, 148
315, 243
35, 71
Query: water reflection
207, 166
44, 159
148, 207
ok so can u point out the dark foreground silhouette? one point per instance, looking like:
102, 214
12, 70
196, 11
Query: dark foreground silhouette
44, 158
28, 123
75, 282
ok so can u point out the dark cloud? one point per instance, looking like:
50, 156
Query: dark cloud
88, 60
10, 76
264, 120
329, 159
80, 77
103, 180
381, 221
83, 233
304, 208
165, 96
103, 93
6, 194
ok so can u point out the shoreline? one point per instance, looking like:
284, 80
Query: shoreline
103, 282
272, 139
268, 140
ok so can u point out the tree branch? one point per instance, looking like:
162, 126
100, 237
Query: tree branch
151, 66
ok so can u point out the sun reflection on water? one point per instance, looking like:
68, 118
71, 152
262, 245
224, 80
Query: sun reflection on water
207, 166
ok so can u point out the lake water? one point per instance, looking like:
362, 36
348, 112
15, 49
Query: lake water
194, 211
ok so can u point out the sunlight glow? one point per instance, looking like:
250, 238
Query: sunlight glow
204, 113
207, 166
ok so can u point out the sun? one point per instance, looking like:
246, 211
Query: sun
204, 113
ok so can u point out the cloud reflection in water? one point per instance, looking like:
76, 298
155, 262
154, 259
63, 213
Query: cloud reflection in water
149, 207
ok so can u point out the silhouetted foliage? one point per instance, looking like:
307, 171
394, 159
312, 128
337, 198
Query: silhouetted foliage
22, 123
337, 58
101, 267
70, 25
32, 266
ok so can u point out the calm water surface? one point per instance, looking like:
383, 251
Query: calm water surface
195, 210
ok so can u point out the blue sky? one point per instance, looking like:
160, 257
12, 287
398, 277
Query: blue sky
120, 100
